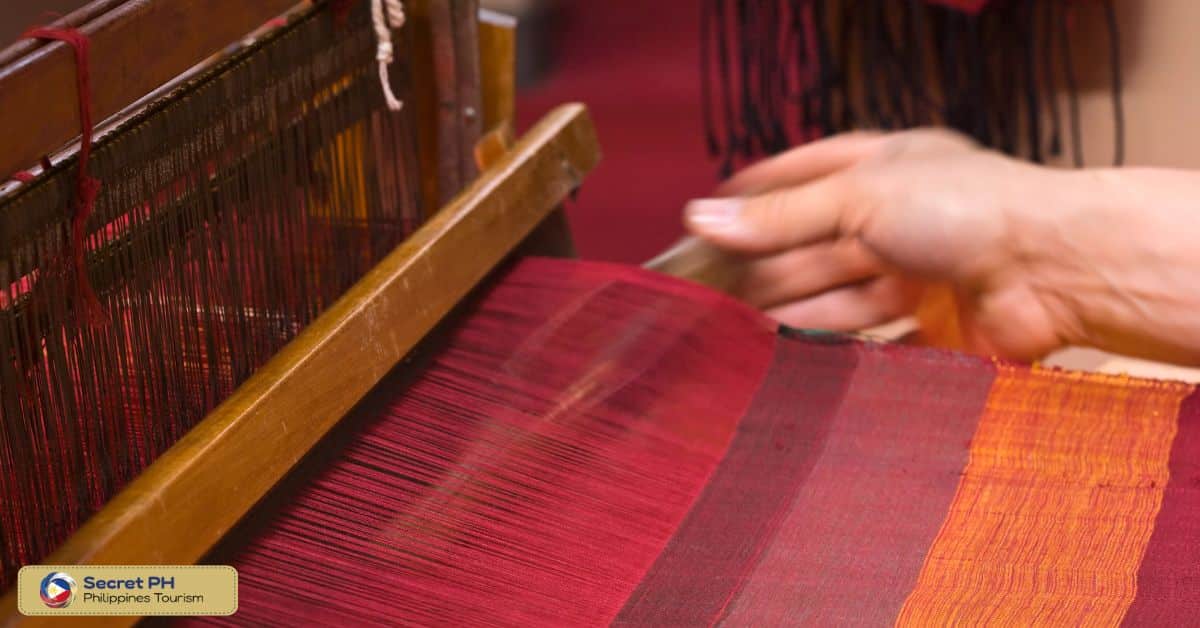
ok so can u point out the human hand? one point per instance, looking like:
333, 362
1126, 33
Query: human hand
849, 232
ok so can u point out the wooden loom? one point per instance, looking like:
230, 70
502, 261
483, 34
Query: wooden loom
462, 75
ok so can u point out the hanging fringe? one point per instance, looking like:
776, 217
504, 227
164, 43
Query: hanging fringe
780, 72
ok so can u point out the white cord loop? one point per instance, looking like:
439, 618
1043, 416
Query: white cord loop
383, 44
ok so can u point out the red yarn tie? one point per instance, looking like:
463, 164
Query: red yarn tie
86, 186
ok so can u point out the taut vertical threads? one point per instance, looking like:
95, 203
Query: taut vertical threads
233, 212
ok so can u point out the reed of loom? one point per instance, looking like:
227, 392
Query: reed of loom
268, 241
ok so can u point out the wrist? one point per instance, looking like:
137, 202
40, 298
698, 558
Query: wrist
1113, 259
1064, 229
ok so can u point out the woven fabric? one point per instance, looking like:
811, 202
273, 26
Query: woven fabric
595, 444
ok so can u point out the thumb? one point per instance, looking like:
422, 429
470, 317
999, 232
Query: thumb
772, 222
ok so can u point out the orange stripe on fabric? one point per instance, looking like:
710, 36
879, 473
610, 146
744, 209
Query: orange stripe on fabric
1056, 504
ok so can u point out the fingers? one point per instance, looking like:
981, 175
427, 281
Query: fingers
804, 164
800, 273
776, 221
806, 194
853, 307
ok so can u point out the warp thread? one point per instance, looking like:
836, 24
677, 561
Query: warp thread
384, 51
234, 211
87, 187
557, 425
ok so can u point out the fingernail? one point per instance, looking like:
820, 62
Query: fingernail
714, 213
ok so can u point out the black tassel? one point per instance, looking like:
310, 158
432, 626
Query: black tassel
1029, 68
846, 38
721, 26
806, 95
1048, 22
1072, 88
948, 53
775, 71
1114, 39
825, 69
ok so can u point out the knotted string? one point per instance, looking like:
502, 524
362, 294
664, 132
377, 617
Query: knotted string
384, 52
86, 186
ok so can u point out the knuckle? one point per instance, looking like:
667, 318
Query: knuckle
927, 140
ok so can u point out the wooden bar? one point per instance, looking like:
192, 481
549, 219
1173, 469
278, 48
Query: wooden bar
74, 19
445, 66
419, 28
469, 112
498, 97
135, 47
497, 68
189, 498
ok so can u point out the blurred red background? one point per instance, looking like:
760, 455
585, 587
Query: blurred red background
636, 65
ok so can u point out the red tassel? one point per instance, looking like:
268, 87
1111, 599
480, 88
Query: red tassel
86, 186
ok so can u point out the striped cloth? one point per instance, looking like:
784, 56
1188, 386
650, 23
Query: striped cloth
596, 444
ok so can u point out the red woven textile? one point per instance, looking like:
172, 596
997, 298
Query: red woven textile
595, 444
561, 426
1169, 577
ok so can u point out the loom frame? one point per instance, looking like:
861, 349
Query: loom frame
237, 453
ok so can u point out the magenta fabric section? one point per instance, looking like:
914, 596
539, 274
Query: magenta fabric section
571, 419
874, 501
777, 445
1168, 584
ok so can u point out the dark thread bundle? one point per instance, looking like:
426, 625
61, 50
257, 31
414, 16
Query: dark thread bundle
232, 213
776, 73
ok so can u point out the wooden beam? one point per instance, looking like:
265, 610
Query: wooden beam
497, 71
135, 47
469, 112
497, 68
74, 19
444, 34
419, 36
177, 509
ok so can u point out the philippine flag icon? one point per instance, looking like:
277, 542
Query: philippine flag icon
58, 589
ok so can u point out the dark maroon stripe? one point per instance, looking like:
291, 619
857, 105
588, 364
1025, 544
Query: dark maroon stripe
777, 443
852, 546
1168, 584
